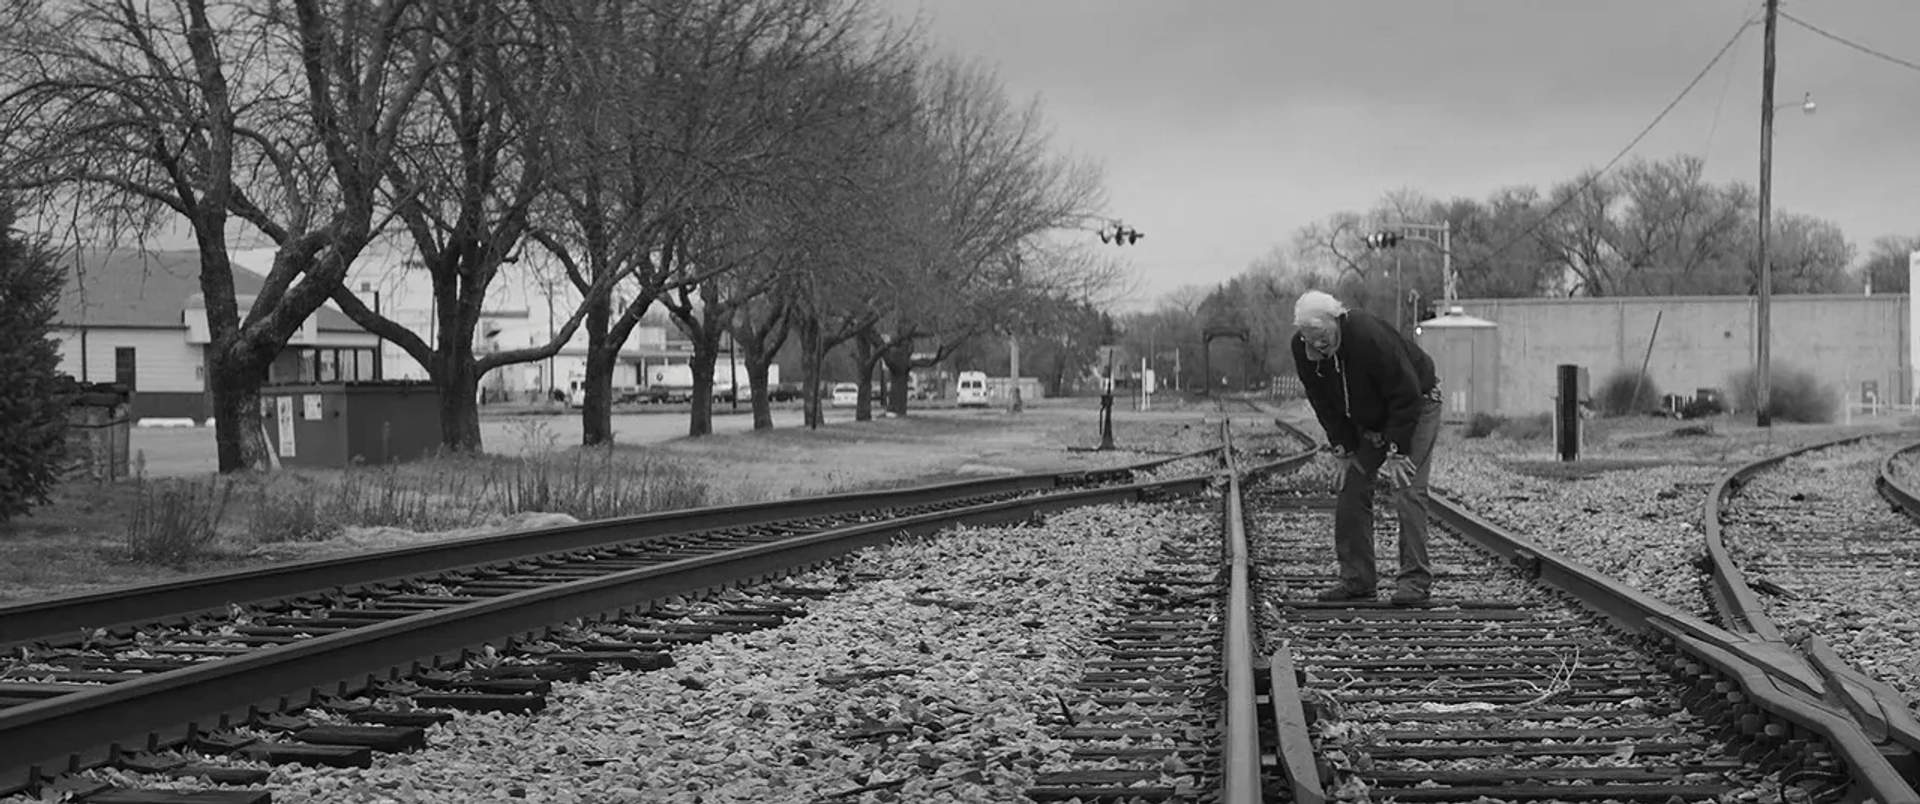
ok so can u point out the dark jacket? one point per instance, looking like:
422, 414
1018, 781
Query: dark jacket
1375, 381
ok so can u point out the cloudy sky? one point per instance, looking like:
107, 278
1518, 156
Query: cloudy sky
1225, 125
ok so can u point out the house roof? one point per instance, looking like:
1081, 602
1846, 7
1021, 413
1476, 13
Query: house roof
133, 288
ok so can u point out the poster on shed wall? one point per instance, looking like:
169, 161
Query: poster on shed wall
285, 417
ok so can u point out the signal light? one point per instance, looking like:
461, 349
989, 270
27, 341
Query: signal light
1383, 239
1121, 235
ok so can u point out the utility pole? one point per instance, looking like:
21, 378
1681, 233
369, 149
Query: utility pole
1397, 293
1763, 374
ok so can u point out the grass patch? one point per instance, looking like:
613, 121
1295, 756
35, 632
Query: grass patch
76, 544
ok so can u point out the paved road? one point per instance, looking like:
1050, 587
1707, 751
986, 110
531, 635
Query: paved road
176, 451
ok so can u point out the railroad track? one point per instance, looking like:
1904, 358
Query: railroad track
281, 664
1169, 713
1799, 540
1532, 678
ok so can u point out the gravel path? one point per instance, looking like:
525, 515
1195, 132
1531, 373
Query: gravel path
935, 682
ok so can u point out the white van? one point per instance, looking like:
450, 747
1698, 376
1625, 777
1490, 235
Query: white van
973, 389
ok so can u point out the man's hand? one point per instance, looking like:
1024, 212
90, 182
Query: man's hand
1398, 470
1346, 457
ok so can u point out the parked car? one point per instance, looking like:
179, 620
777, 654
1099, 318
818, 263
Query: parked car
844, 394
784, 392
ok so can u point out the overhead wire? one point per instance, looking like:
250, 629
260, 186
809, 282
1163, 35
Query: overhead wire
1850, 43
1726, 88
1595, 176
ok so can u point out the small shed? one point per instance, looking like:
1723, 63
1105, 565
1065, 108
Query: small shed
1466, 355
332, 425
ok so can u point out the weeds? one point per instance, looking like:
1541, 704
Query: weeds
174, 519
292, 508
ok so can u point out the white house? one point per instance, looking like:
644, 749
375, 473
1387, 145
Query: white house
137, 318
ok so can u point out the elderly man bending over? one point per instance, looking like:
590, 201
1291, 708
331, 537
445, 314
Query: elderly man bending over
1376, 395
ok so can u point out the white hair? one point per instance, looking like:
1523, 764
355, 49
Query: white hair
1316, 309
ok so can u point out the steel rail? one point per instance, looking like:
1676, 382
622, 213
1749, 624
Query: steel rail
171, 601
1732, 597
1769, 672
85, 729
1240, 754
1896, 492
1880, 710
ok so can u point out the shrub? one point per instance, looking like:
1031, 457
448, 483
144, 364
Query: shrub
1628, 392
33, 429
175, 519
1796, 395
1484, 424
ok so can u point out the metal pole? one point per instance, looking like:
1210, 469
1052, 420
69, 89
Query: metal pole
1106, 406
733, 373
553, 383
1446, 263
1013, 358
1763, 374
380, 345
1398, 294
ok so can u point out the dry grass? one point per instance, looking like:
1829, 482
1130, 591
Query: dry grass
1628, 443
81, 542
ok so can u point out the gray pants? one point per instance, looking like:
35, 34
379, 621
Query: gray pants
1353, 514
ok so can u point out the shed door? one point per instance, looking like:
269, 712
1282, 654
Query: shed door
1457, 376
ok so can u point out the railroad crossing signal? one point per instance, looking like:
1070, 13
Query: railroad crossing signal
1383, 239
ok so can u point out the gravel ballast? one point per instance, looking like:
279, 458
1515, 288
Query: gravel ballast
933, 678
1639, 524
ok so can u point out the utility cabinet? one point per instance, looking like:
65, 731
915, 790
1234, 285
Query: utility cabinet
332, 425
1466, 355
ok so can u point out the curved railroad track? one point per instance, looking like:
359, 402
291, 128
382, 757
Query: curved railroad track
1804, 556
212, 663
1534, 678
1897, 476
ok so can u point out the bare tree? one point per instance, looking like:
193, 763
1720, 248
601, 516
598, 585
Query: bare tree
136, 115
989, 185
697, 116
1886, 268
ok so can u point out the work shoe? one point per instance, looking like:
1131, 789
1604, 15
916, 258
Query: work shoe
1344, 591
1411, 595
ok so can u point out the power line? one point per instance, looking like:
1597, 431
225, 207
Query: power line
1591, 180
1850, 43
1725, 89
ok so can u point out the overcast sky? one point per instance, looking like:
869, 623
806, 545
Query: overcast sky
1225, 125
